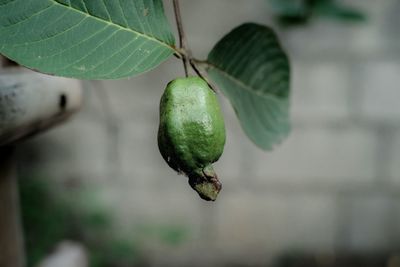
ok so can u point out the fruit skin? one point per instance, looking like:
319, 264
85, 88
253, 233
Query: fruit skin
191, 135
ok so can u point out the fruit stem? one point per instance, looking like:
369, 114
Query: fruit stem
201, 75
183, 52
182, 37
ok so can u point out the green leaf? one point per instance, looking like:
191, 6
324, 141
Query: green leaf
289, 7
252, 70
102, 39
330, 8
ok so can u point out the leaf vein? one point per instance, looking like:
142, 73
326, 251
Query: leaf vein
29, 17
89, 53
50, 37
243, 85
151, 38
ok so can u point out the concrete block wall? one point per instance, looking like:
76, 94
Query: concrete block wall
333, 185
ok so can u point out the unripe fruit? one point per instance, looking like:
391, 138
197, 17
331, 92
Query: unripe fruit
191, 135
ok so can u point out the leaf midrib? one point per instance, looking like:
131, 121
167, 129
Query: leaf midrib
54, 2
243, 85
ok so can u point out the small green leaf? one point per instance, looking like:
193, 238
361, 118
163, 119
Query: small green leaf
335, 10
84, 38
292, 8
252, 70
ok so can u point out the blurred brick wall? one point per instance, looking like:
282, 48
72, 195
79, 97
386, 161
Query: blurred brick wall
334, 184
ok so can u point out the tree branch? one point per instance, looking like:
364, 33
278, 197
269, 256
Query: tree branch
195, 67
185, 53
182, 37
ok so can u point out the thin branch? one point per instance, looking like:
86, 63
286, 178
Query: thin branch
184, 52
196, 69
201, 63
177, 55
182, 37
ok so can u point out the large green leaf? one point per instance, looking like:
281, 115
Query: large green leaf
90, 39
333, 9
252, 70
289, 7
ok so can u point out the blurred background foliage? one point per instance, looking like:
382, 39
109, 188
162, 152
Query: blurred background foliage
49, 218
301, 12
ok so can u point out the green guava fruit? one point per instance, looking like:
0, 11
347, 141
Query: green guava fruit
191, 135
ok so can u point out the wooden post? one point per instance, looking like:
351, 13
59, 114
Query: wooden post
30, 103
11, 237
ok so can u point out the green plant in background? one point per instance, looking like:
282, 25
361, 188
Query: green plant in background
45, 222
49, 218
167, 234
117, 39
298, 12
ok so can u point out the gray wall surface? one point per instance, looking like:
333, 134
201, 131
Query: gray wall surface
334, 184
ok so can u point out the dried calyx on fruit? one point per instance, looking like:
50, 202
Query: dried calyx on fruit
191, 134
